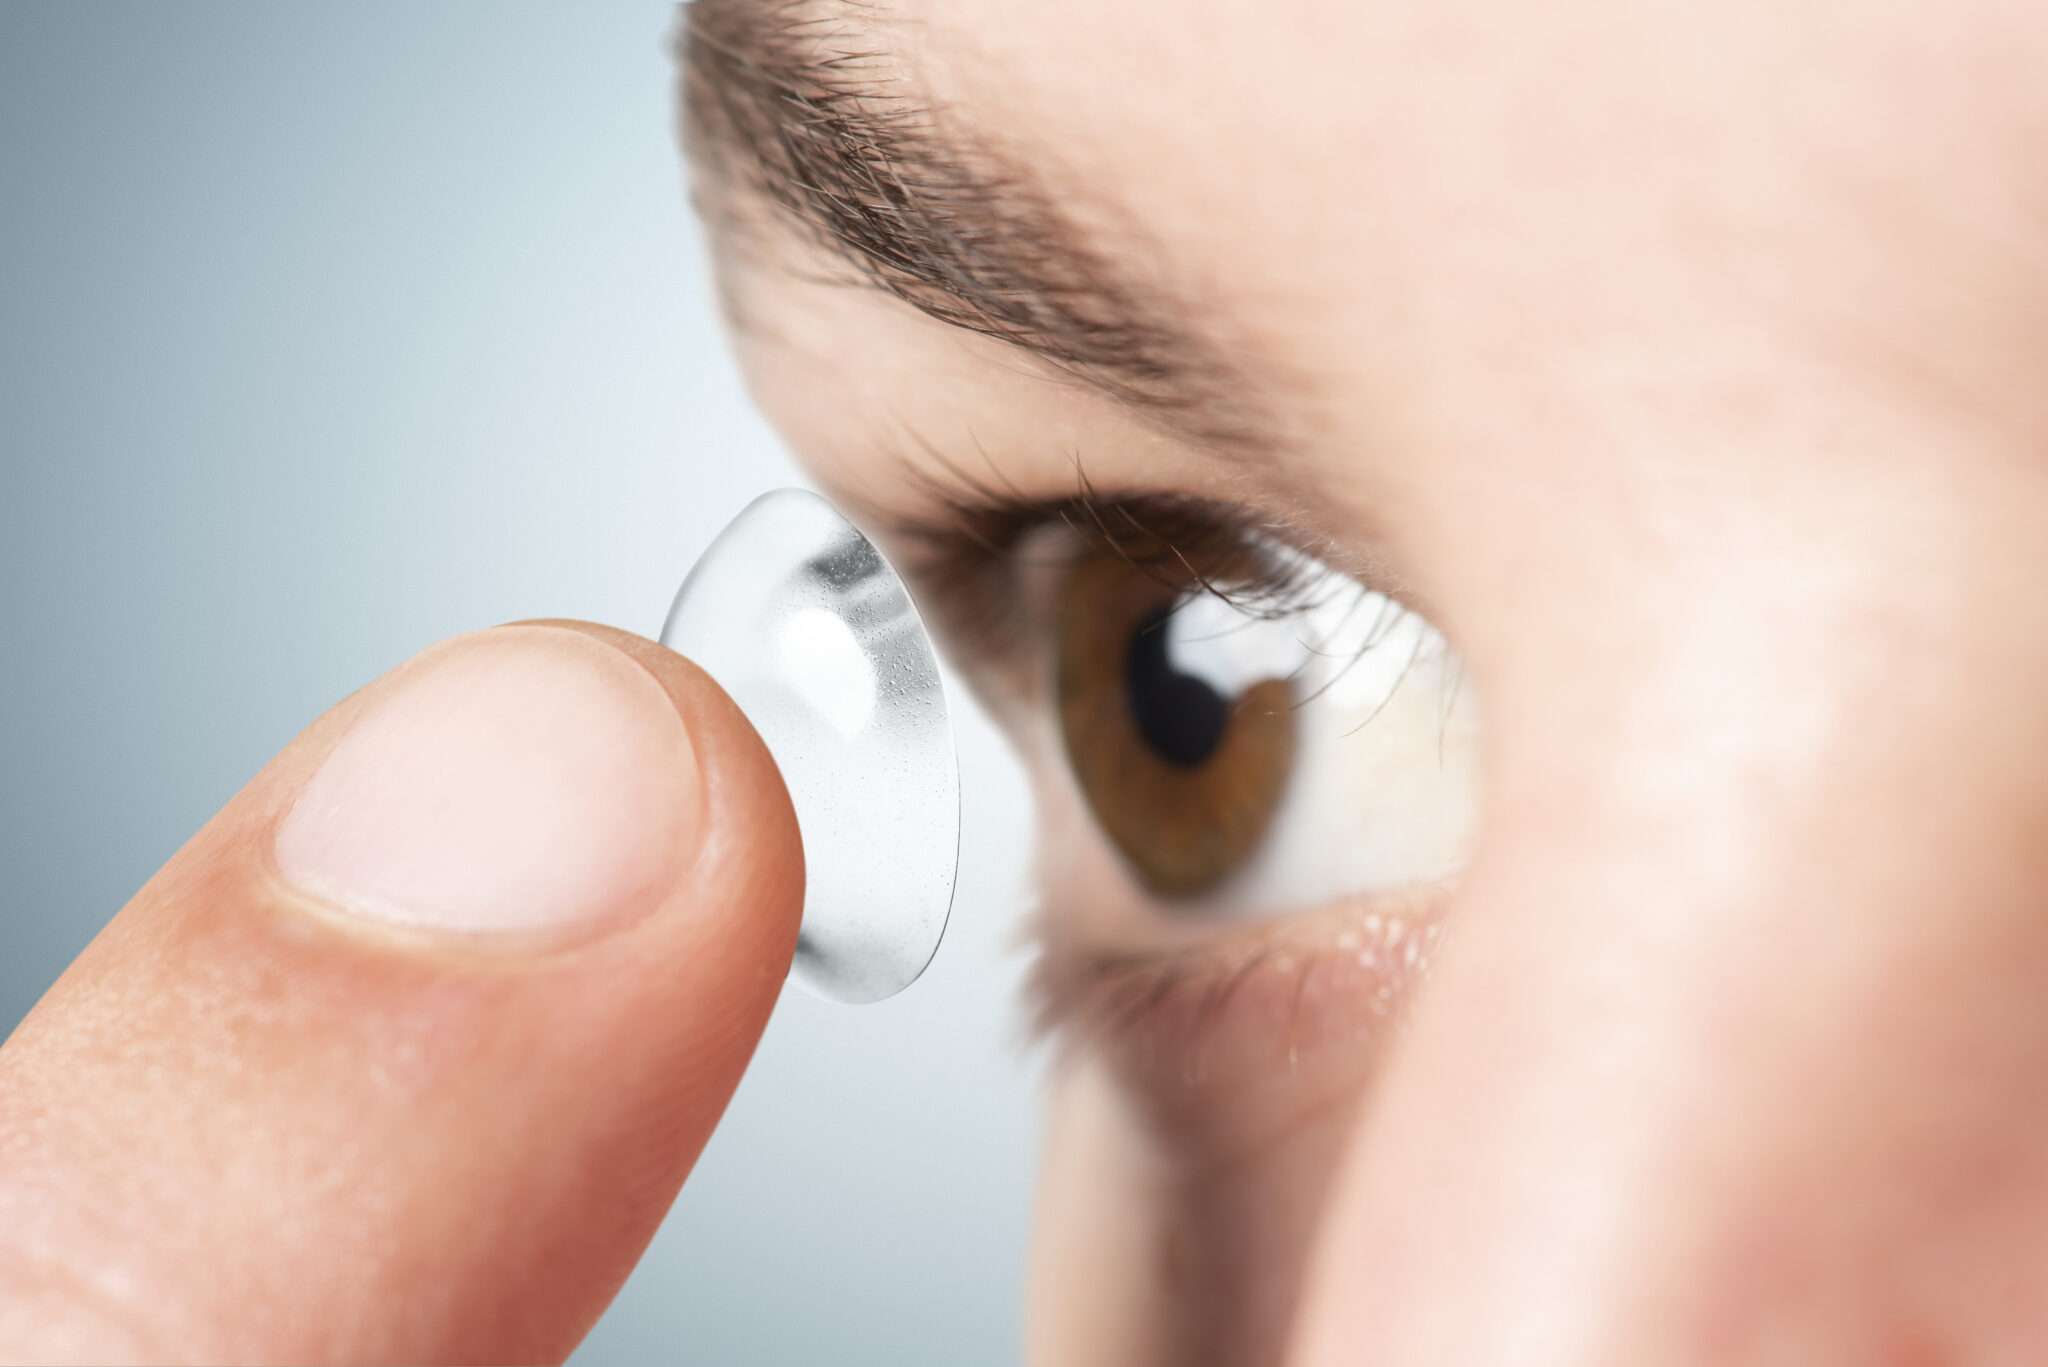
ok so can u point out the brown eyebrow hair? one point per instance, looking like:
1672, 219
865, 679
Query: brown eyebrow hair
792, 101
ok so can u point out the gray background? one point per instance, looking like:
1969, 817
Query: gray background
331, 330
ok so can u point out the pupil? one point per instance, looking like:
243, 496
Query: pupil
1181, 717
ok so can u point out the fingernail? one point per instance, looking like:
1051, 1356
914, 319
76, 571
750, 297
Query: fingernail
523, 779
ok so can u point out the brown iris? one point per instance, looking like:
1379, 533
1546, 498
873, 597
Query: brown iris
1183, 779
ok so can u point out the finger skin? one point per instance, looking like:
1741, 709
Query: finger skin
242, 1129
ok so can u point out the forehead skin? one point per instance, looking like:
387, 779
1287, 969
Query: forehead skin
1575, 260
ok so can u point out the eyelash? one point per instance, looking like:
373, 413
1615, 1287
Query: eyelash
1174, 998
960, 557
1260, 571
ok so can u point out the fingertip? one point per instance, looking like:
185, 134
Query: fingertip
751, 839
462, 983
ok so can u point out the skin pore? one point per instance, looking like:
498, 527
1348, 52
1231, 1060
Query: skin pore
1680, 366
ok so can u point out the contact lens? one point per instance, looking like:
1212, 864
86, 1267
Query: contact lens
800, 619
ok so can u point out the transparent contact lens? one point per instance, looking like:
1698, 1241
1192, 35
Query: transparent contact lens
802, 622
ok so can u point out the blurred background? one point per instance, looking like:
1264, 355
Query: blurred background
332, 330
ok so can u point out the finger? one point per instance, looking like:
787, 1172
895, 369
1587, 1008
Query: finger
406, 1054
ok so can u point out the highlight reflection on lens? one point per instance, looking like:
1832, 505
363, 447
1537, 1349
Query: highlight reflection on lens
799, 619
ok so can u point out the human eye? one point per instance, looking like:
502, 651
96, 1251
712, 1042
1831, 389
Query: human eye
1255, 771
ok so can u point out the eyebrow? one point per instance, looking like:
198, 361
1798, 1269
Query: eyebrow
794, 102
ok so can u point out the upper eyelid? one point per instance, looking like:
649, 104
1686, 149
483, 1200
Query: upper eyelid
967, 560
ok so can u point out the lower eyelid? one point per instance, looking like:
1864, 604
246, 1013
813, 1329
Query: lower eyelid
1286, 1001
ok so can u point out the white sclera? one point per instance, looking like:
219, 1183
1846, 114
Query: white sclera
802, 622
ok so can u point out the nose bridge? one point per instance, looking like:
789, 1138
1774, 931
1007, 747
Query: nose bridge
1738, 1004
1828, 697
1742, 839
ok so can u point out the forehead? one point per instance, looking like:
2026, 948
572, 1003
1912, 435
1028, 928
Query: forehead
1002, 172
1443, 235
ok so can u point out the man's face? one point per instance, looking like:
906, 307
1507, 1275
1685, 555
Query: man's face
1650, 965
